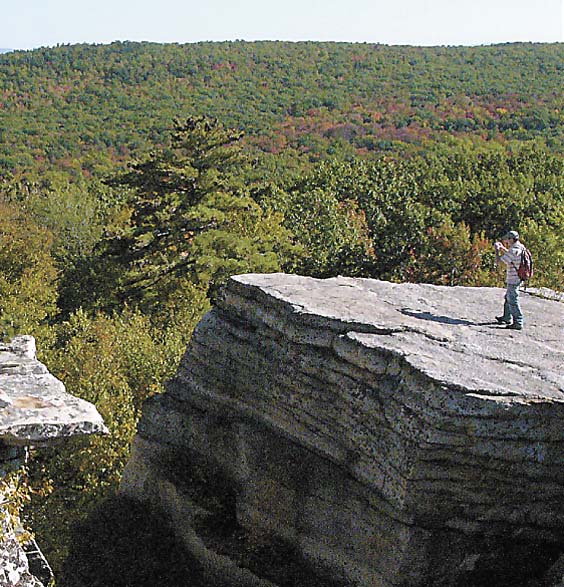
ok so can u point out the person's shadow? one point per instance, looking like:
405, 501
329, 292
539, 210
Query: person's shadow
443, 319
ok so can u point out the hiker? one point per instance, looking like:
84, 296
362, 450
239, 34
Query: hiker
509, 252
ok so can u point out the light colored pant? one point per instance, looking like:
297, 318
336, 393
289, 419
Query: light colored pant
511, 306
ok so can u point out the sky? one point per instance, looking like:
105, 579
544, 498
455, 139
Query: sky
27, 24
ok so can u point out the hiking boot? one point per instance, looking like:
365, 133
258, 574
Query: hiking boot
515, 326
502, 320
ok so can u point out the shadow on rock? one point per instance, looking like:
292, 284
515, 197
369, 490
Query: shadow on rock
123, 544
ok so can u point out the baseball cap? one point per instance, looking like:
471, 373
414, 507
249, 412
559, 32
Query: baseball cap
513, 234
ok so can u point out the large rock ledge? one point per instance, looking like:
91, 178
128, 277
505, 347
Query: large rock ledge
35, 410
389, 432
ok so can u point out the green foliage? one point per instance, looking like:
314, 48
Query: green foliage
451, 255
72, 211
27, 274
428, 218
189, 216
115, 362
86, 108
547, 247
491, 189
74, 214
332, 234
400, 163
395, 215
14, 495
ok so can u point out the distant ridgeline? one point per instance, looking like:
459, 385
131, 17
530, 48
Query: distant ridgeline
67, 102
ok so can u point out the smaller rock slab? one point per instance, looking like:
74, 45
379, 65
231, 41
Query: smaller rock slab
35, 409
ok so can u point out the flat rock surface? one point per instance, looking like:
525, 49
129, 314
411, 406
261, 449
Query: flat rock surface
448, 333
393, 433
34, 406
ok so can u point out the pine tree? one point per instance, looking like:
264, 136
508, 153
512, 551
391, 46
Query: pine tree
189, 216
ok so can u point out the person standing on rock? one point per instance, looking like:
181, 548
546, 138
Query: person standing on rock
509, 252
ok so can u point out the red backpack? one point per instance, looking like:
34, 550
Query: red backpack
525, 270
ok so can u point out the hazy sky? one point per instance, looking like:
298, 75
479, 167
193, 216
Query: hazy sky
32, 23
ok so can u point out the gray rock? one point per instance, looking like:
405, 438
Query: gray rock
14, 568
34, 410
393, 433
34, 406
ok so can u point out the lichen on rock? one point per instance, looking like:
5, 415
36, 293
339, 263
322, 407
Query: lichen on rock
34, 406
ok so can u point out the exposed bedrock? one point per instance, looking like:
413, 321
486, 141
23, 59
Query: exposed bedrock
390, 433
35, 410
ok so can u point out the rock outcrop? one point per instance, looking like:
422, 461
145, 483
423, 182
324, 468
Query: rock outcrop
390, 434
35, 410
34, 406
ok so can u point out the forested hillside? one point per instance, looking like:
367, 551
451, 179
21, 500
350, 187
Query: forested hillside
66, 102
135, 178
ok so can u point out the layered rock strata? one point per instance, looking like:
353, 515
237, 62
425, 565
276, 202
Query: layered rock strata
35, 410
390, 432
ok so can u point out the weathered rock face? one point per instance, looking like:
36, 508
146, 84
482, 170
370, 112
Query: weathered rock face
34, 406
14, 565
34, 410
390, 432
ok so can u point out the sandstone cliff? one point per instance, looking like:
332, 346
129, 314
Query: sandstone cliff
389, 434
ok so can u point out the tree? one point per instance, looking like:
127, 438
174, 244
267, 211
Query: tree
28, 276
115, 362
547, 246
189, 215
332, 233
451, 255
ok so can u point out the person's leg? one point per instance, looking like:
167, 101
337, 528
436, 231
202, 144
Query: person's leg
506, 318
512, 297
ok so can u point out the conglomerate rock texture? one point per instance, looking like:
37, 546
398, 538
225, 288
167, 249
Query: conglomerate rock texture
390, 433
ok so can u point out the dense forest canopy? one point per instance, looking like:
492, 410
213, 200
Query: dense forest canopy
57, 104
135, 178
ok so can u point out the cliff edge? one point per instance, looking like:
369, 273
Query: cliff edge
384, 434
